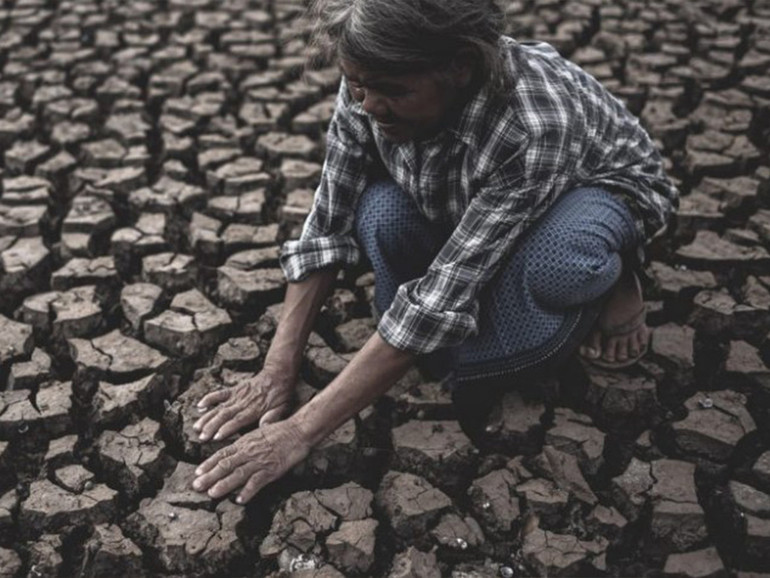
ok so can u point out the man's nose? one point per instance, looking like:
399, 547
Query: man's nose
374, 104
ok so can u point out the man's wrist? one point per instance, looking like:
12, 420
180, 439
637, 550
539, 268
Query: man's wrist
303, 439
307, 430
282, 369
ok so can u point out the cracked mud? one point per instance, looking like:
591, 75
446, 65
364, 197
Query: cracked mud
154, 155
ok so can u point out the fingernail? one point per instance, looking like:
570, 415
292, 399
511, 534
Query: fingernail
217, 436
212, 493
197, 484
199, 472
239, 500
203, 437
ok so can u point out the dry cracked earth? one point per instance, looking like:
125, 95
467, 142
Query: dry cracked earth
155, 154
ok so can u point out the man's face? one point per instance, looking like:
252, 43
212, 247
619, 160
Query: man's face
404, 106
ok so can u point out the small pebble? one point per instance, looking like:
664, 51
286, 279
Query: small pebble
706, 403
89, 485
171, 407
506, 572
173, 516
303, 562
460, 543
23, 427
486, 505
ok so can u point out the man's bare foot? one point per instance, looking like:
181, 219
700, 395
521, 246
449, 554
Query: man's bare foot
620, 335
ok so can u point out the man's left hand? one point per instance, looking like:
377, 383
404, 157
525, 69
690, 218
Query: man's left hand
253, 461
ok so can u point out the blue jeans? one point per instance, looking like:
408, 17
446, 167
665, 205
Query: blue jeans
546, 296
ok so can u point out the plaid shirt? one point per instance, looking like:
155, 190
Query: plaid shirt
487, 177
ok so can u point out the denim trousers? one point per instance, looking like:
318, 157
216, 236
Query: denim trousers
546, 295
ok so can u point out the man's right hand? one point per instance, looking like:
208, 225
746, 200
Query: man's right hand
266, 398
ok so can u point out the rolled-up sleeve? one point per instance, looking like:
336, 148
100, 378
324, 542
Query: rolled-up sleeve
327, 235
441, 308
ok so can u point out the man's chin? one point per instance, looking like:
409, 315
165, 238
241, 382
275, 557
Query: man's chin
396, 132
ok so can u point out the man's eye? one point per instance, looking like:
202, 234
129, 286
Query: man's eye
394, 92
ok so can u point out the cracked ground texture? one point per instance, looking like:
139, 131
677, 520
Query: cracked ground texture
154, 155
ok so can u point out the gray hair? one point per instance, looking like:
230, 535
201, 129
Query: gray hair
402, 36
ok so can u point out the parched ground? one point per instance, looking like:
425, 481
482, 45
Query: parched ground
155, 154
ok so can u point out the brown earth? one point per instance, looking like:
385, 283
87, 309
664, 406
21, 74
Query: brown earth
154, 155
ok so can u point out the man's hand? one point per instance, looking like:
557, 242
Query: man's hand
253, 461
265, 399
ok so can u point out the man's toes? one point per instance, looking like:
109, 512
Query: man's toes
592, 347
637, 344
621, 349
634, 345
609, 352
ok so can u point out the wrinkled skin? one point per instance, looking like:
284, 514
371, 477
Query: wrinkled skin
613, 340
253, 461
265, 399
411, 106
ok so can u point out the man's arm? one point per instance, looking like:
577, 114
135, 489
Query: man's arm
301, 305
265, 454
267, 397
372, 371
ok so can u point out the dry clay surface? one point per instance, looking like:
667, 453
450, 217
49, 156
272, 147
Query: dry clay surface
154, 155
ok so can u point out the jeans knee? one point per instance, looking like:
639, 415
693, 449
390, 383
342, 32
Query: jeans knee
575, 272
384, 216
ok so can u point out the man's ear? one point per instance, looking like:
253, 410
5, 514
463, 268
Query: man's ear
463, 67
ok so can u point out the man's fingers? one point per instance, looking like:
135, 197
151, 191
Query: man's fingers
206, 403
223, 468
205, 418
229, 407
257, 481
215, 397
222, 417
235, 423
214, 460
235, 480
